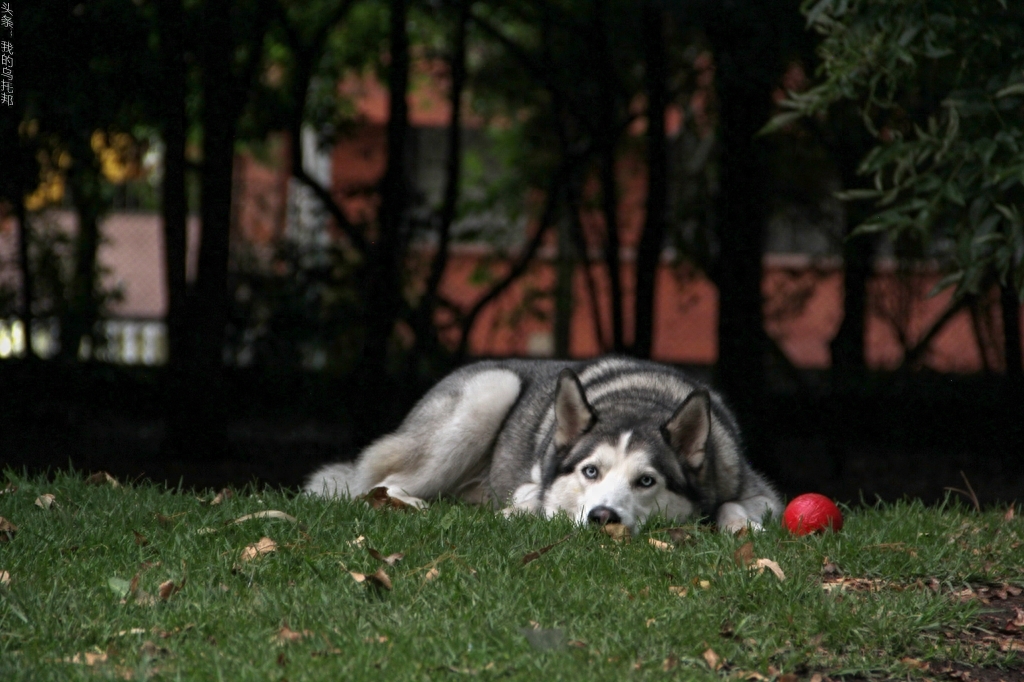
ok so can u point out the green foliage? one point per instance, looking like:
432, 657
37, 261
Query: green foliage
941, 86
84, 577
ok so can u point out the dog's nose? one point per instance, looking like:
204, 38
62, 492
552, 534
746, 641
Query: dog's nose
603, 516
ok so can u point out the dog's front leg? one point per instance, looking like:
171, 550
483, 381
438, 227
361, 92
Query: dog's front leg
748, 513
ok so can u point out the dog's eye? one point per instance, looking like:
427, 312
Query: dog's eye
645, 481
589, 471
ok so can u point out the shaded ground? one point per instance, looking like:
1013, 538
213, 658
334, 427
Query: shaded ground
901, 439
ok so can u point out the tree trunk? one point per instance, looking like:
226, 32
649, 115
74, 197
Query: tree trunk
196, 423
24, 259
607, 147
83, 308
745, 54
426, 336
648, 255
1010, 306
383, 295
174, 206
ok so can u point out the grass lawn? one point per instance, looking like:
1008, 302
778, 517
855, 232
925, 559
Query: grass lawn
139, 582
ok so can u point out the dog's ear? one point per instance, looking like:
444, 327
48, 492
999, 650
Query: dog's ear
688, 430
573, 414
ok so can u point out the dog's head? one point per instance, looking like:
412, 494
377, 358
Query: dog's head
628, 464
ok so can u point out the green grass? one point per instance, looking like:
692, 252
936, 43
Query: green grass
605, 607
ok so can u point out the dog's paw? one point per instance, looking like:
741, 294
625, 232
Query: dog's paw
733, 518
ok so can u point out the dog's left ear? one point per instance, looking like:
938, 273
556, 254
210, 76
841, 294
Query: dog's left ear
688, 430
573, 414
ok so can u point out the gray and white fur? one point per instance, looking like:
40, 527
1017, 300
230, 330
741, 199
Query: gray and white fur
610, 440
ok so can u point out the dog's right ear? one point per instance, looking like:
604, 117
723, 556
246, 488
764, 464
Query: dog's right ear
688, 430
573, 414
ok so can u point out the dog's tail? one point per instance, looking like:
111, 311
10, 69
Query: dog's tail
334, 480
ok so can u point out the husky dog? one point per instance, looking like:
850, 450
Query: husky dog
612, 440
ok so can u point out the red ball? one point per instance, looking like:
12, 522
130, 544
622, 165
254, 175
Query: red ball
811, 513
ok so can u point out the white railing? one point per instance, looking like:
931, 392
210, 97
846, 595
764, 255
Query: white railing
128, 342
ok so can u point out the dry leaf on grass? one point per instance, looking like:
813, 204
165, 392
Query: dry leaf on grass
533, 556
744, 556
140, 539
257, 549
670, 663
841, 583
7, 530
752, 675
1010, 513
431, 575
5, 578
45, 501
101, 478
378, 498
378, 579
680, 536
358, 542
168, 588
772, 566
713, 660
677, 590
88, 658
658, 544
390, 559
286, 635
616, 531
224, 494
150, 650
267, 514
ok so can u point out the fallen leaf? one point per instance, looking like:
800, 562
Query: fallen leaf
151, 650
542, 639
267, 514
772, 566
431, 574
378, 579
100, 478
914, 663
677, 590
120, 586
1010, 513
358, 542
89, 658
133, 631
787, 677
164, 520
286, 635
379, 639
616, 531
258, 549
816, 677
713, 660
5, 578
670, 663
750, 675
680, 536
744, 556
140, 539
533, 556
168, 588
378, 498
650, 621
702, 584
7, 530
45, 501
658, 544
224, 494
390, 559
